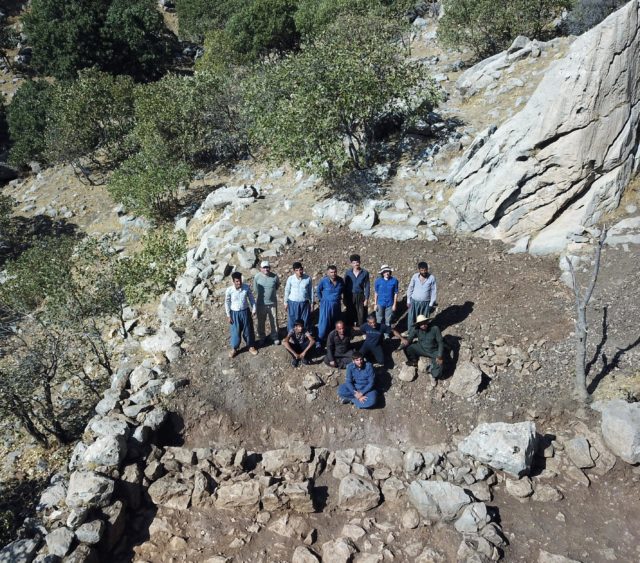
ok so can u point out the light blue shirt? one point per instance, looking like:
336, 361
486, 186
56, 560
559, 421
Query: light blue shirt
298, 289
422, 290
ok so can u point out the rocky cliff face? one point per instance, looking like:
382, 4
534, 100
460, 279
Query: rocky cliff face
565, 159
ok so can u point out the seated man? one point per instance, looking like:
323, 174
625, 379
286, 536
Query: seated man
298, 343
358, 386
429, 344
339, 352
374, 334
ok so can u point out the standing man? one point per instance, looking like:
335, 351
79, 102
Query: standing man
298, 297
385, 296
429, 344
358, 386
240, 305
339, 352
329, 291
356, 292
421, 294
265, 286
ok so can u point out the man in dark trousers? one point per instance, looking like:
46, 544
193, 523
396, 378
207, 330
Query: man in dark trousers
299, 344
428, 343
357, 288
373, 345
329, 291
421, 294
339, 351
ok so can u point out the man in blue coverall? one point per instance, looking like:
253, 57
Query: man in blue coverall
329, 291
358, 386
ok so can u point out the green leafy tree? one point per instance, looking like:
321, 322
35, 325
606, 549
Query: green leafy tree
317, 109
264, 26
119, 36
89, 120
4, 128
153, 270
27, 116
147, 183
488, 27
197, 17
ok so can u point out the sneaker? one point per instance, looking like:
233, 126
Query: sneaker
306, 362
343, 401
318, 345
276, 341
233, 353
295, 363
253, 351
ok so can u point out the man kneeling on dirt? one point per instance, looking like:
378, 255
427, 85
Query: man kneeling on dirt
298, 343
428, 343
358, 386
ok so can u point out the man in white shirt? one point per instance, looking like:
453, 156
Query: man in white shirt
240, 306
298, 297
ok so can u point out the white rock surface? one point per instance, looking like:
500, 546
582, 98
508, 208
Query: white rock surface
107, 451
161, 341
465, 380
620, 428
437, 501
88, 489
565, 159
509, 447
357, 494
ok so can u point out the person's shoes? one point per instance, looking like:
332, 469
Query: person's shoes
411, 364
253, 351
318, 345
233, 353
306, 362
434, 382
295, 363
261, 342
343, 401
276, 341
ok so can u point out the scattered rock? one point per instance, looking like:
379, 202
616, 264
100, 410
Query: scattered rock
578, 451
546, 557
88, 489
520, 489
437, 501
59, 541
620, 428
338, 551
357, 494
465, 380
304, 555
407, 373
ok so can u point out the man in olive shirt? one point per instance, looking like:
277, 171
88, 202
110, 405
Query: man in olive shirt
265, 286
428, 343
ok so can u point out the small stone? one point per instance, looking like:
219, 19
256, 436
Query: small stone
410, 519
578, 451
520, 489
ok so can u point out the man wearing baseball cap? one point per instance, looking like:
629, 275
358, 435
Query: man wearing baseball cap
265, 286
428, 343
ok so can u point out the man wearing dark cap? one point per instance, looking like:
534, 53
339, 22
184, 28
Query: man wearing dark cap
428, 343
421, 294
357, 288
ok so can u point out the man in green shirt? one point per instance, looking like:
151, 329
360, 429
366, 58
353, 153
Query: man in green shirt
428, 343
265, 286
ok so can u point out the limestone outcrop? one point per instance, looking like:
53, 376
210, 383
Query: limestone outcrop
565, 159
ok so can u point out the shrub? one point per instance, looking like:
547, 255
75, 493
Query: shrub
113, 35
586, 14
4, 128
90, 117
147, 183
263, 26
27, 116
154, 269
308, 106
487, 27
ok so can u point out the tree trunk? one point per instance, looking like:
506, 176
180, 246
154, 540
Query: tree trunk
581, 354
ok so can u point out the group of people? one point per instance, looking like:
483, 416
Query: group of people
335, 327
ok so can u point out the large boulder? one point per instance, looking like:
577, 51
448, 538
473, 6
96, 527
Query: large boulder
564, 160
161, 341
509, 447
107, 451
245, 494
620, 428
334, 210
436, 500
88, 490
466, 380
171, 491
357, 494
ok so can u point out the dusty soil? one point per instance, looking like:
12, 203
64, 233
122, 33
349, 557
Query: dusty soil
483, 294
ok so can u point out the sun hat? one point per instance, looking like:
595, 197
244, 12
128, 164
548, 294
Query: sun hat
421, 319
385, 268
265, 264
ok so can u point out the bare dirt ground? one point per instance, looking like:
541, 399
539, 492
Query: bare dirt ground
484, 294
